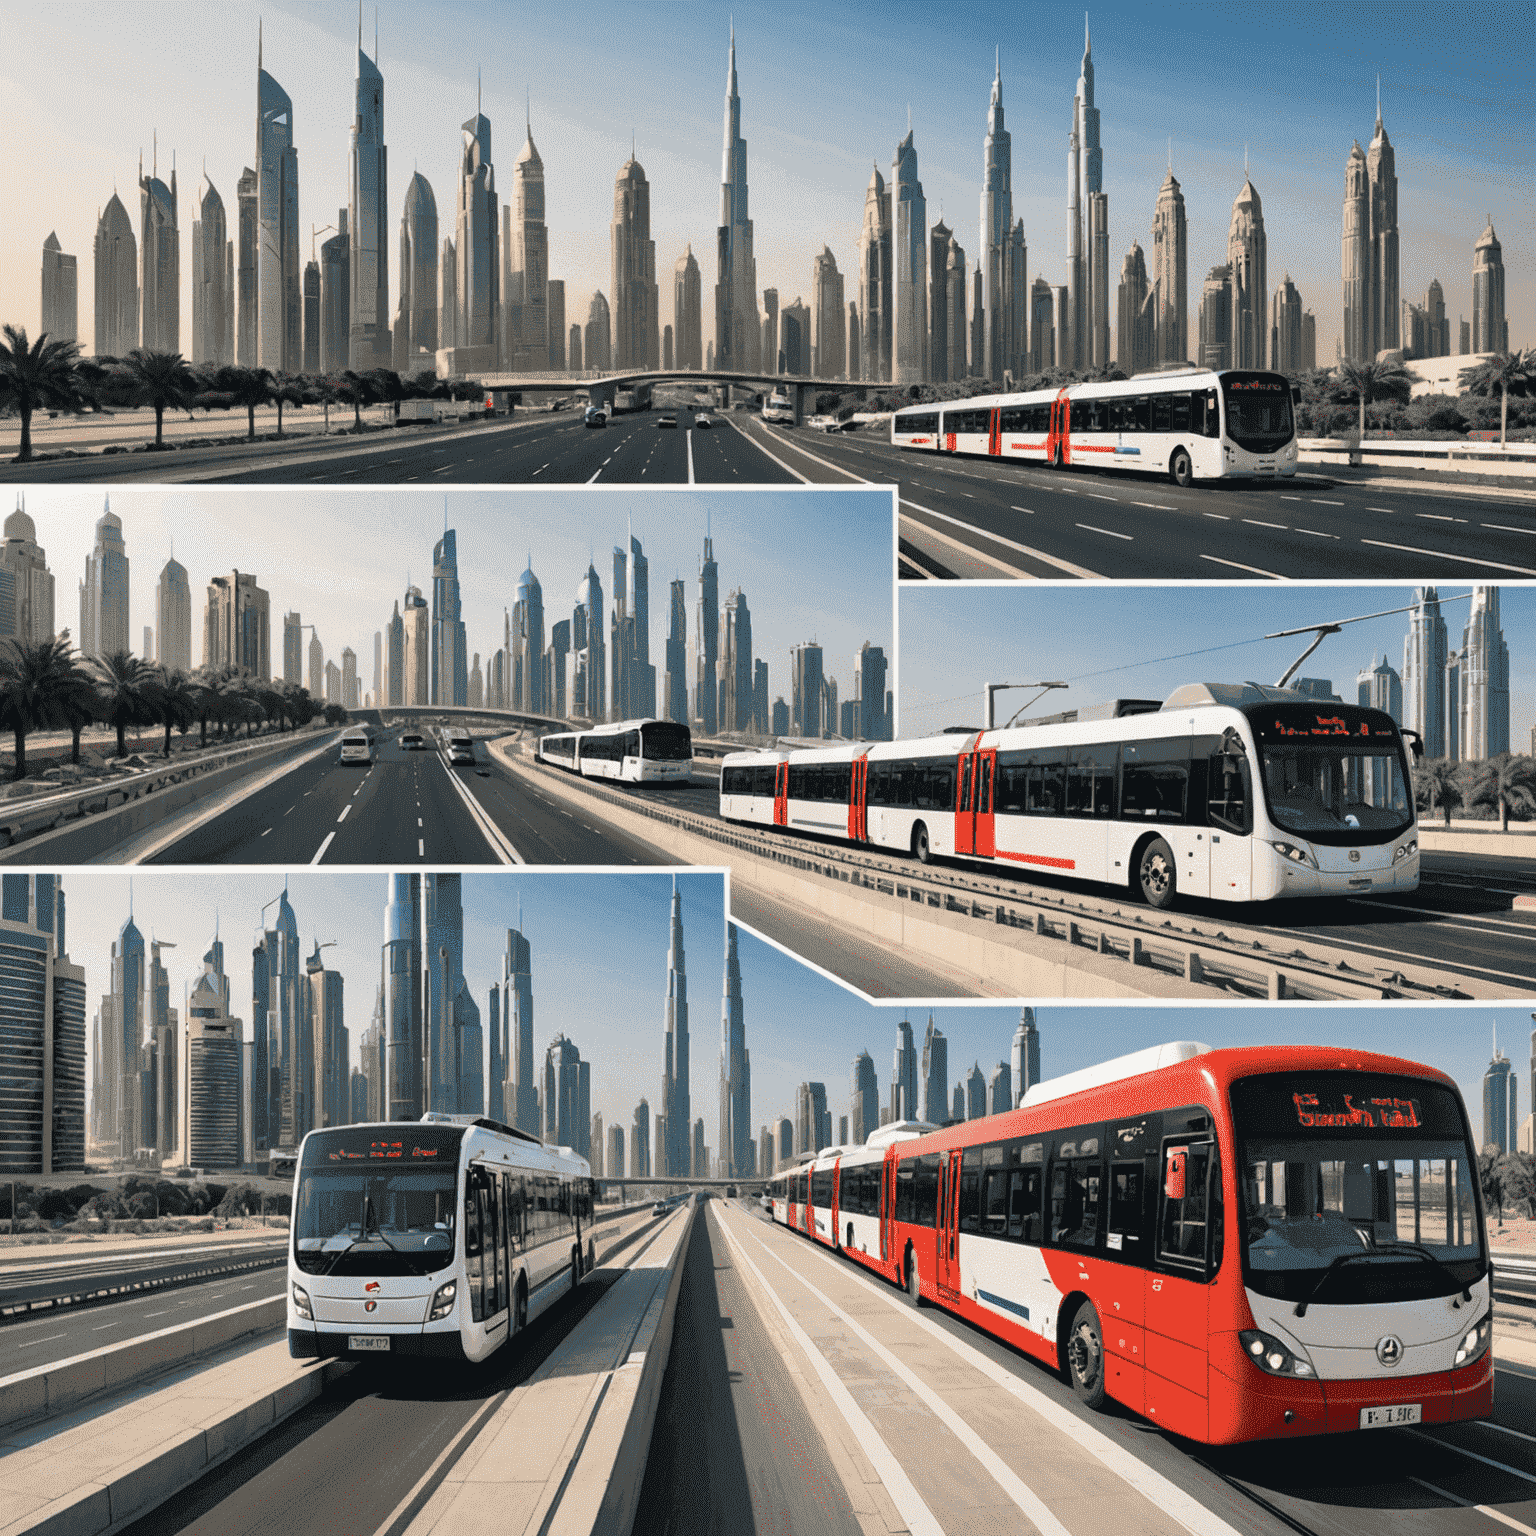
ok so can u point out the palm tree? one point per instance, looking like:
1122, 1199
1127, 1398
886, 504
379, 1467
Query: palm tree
32, 674
76, 702
123, 686
36, 373
358, 390
160, 379
1438, 783
205, 681
176, 701
1508, 782
1368, 380
1499, 372
249, 387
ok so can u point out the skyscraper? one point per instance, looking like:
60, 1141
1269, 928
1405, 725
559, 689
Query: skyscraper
795, 338
904, 1104
416, 320
450, 660
121, 1026
478, 282
675, 679
452, 1031
686, 301
278, 336
60, 313
1170, 274
403, 1041
416, 646
975, 1093
953, 291
640, 1142
213, 280
282, 1057
806, 690
869, 669
448, 295
1087, 264
707, 633
159, 263
336, 297
1246, 249
104, 591
330, 1087
521, 1093
636, 318
1378, 686
173, 618
247, 225
737, 328
1024, 1058
1490, 330
597, 337
1501, 1101
875, 279
554, 294
588, 649
30, 617
1000, 1089
827, 339
863, 1099
368, 219
1370, 248
1133, 334
526, 291
213, 1104
316, 667
675, 1102
615, 1159
42, 1032
1424, 655
909, 262
734, 1136
1285, 328
935, 1073
735, 684
1483, 703
1042, 336
1216, 319
996, 234
237, 625
528, 643
116, 255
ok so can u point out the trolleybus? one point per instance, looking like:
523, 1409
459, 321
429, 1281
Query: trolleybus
1237, 1244
1190, 424
438, 1237
638, 751
1228, 791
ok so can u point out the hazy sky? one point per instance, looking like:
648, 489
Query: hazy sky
814, 564
824, 94
599, 967
1143, 642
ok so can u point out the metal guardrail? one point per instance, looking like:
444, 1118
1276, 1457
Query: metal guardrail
1245, 968
24, 1309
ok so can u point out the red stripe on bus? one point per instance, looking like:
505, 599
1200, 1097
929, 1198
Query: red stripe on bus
1033, 447
1038, 858
1089, 448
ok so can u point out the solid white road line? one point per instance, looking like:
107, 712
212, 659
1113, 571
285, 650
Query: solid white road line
690, 456
1440, 554
1089, 528
501, 846
323, 846
1482, 1509
909, 1503
1252, 570
995, 538
1505, 528
767, 453
1487, 1461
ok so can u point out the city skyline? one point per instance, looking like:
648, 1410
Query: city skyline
1223, 631
1452, 120
838, 592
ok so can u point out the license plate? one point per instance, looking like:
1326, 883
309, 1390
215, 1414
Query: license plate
374, 1341
1359, 882
1389, 1418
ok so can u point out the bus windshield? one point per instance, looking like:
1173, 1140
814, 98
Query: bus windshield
1258, 410
1351, 1165
377, 1200
1333, 773
665, 741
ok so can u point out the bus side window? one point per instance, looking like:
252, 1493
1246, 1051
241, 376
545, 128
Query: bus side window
496, 1253
1125, 1211
1024, 1205
1180, 407
970, 1190
1212, 414
474, 1241
1184, 1220
1227, 797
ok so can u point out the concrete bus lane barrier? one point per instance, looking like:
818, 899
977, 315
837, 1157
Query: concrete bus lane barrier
565, 1454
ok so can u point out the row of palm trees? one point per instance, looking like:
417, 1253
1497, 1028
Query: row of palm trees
46, 374
1506, 784
45, 685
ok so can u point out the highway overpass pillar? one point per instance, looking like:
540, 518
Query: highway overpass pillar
800, 390
600, 395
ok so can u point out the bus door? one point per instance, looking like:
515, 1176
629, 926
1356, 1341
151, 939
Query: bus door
946, 437
887, 1205
947, 1271
965, 808
858, 800
1186, 1248
833, 1203
781, 795
1229, 820
1058, 443
995, 433
976, 818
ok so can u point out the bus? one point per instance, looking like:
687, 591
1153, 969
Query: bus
357, 747
635, 751
1224, 791
440, 1237
1188, 423
459, 745
779, 408
1238, 1245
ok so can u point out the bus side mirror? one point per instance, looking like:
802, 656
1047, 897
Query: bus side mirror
1415, 744
1173, 1175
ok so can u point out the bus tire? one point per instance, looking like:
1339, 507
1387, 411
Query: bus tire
1180, 469
914, 1281
922, 851
1157, 874
1085, 1356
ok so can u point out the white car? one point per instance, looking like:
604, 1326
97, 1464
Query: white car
357, 748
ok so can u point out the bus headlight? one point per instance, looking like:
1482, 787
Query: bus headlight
1405, 850
442, 1301
1296, 854
1269, 1354
301, 1303
1475, 1344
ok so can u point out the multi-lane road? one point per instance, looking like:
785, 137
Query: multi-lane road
959, 517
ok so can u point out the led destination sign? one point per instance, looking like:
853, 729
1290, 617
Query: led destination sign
1386, 1114
1301, 722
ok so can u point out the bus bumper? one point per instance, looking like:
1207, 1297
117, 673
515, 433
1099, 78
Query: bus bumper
309, 1344
1277, 877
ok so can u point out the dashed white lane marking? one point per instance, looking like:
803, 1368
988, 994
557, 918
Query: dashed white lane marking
1504, 528
1290, 498
1029, 510
264, 834
52, 1336
1088, 527
1482, 1509
1388, 510
1100, 496
1252, 570
344, 810
323, 846
1253, 522
421, 849
1317, 501
1439, 517
1316, 535
1219, 517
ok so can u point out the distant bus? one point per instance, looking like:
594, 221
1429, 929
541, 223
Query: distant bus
357, 747
459, 745
637, 751
779, 408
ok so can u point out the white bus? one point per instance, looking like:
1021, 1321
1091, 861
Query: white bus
357, 747
1227, 791
1190, 424
636, 751
459, 745
437, 1237
779, 408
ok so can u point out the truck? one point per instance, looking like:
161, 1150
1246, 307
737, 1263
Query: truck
417, 410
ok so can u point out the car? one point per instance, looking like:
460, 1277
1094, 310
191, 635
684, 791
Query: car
357, 747
411, 741
660, 1208
666, 421
702, 422
841, 426
595, 416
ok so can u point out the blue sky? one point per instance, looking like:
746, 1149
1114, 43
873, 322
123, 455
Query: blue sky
599, 965
814, 564
1134, 642
824, 93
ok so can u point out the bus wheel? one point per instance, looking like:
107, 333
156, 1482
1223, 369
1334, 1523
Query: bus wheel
920, 849
1085, 1356
1157, 873
914, 1281
1180, 470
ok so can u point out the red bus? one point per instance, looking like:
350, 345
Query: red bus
1236, 1244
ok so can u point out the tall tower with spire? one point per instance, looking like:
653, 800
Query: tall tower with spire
521, 1094
368, 217
527, 643
996, 231
160, 258
909, 268
738, 327
1024, 1058
1246, 256
477, 286
527, 263
1170, 273
1087, 262
735, 1127
279, 302
707, 629
674, 1073
875, 280
636, 306
213, 280
1381, 168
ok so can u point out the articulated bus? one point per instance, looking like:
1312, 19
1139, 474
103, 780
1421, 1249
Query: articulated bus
1190, 424
1237, 1244
637, 751
440, 1237
1228, 791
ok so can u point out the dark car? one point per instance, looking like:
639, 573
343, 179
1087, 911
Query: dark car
596, 416
702, 422
666, 421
